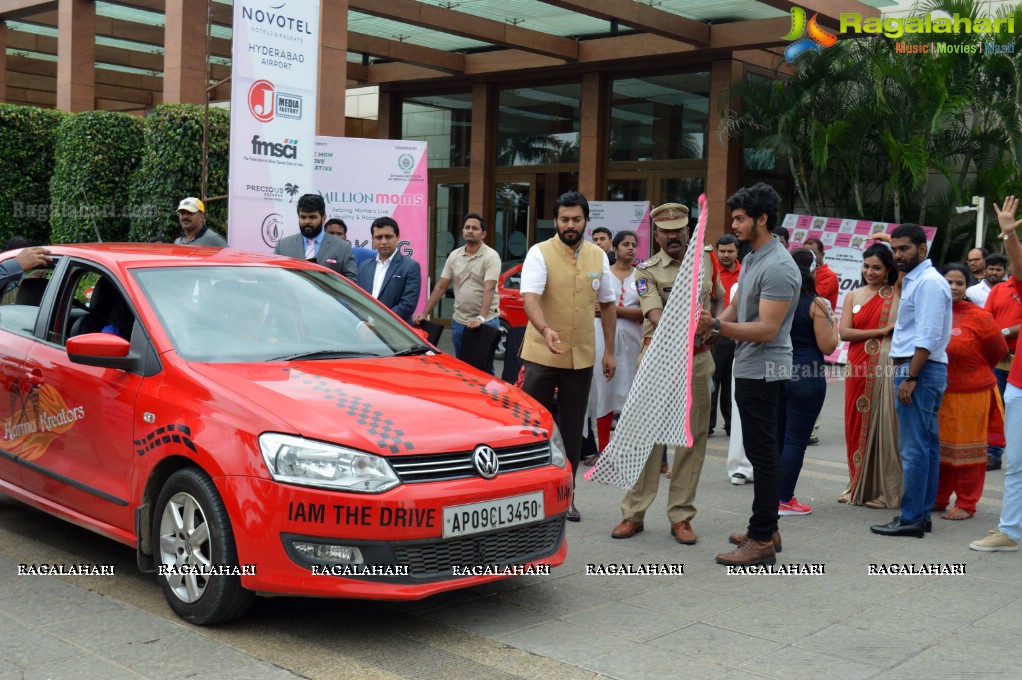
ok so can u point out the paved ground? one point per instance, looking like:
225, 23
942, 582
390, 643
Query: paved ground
703, 624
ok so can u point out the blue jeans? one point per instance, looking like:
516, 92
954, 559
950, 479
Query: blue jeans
919, 440
458, 332
996, 452
1011, 506
797, 410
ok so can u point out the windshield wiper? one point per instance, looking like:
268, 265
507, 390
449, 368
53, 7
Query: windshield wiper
325, 354
414, 350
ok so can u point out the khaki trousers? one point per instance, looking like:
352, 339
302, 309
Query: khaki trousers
688, 461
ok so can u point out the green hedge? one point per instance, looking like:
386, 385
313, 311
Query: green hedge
27, 137
96, 152
171, 169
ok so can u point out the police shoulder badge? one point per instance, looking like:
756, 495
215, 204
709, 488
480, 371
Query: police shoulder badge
641, 286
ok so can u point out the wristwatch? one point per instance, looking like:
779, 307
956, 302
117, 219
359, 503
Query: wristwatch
481, 318
716, 327
911, 378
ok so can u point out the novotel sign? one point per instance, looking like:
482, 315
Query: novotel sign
274, 19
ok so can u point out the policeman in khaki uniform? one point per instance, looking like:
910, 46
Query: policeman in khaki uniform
654, 281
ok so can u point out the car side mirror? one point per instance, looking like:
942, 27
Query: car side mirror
100, 349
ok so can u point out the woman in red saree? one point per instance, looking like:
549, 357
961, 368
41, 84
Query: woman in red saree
971, 412
871, 426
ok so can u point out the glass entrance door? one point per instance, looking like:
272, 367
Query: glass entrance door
450, 206
512, 229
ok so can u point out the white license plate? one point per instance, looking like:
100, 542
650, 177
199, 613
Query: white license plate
474, 518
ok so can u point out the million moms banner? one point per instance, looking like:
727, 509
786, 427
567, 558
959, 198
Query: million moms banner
362, 179
274, 64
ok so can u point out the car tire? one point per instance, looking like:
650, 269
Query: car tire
502, 343
191, 528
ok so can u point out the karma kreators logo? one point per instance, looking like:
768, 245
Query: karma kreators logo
37, 418
817, 40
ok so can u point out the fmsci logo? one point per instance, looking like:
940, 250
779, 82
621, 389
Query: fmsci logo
405, 162
264, 102
818, 36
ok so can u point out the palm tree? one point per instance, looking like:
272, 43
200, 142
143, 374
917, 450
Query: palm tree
291, 190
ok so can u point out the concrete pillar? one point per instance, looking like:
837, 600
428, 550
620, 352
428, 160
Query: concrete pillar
723, 156
333, 67
483, 147
592, 139
76, 55
184, 56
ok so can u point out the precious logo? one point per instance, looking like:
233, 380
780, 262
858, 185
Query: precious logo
817, 39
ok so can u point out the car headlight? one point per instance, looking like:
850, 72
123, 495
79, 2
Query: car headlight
306, 462
558, 456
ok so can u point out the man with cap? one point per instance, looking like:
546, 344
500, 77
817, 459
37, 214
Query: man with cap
191, 214
654, 281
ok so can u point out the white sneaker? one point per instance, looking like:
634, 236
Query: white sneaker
738, 479
995, 541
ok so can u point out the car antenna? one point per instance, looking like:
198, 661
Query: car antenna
99, 239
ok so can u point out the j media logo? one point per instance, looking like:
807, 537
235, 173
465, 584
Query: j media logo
265, 102
817, 39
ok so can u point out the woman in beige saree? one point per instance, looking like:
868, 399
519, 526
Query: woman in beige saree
871, 426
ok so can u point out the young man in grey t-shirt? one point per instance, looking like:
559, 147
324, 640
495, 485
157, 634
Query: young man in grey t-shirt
759, 321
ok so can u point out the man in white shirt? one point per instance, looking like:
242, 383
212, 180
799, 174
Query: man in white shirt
563, 280
996, 267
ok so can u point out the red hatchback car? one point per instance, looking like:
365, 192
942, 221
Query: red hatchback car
258, 425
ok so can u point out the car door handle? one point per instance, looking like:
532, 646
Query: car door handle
33, 376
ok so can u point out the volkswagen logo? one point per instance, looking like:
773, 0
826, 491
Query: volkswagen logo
486, 461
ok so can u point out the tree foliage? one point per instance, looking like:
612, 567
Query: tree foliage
27, 137
96, 151
171, 169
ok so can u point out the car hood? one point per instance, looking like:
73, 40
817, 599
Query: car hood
392, 406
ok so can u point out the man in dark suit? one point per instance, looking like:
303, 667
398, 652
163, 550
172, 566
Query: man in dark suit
390, 277
313, 243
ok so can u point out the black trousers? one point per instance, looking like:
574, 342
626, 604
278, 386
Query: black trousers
572, 388
757, 406
723, 357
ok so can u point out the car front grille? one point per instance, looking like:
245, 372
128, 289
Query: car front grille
444, 466
518, 545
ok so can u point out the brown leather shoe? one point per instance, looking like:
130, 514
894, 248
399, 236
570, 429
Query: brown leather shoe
682, 532
750, 553
738, 539
627, 529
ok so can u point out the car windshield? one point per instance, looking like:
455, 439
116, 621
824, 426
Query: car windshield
244, 314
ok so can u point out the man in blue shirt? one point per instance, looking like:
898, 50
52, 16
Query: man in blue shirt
918, 350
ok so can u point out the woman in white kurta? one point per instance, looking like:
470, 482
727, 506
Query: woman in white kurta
607, 397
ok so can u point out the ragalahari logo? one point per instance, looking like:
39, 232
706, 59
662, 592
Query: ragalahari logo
817, 39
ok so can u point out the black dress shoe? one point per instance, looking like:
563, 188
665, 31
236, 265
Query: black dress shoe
993, 463
928, 524
573, 514
899, 528
813, 441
